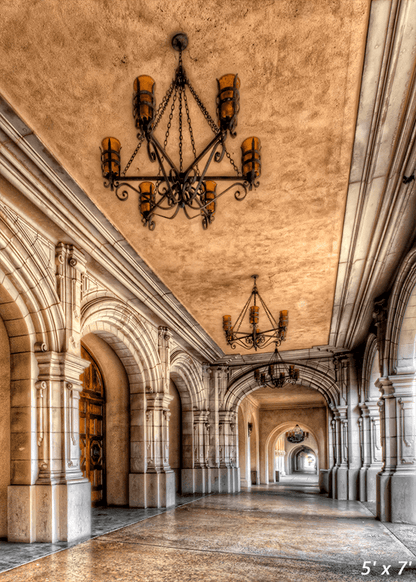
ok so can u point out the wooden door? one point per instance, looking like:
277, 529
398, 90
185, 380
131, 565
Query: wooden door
92, 429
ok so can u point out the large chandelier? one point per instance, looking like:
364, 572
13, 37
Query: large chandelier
255, 338
296, 435
175, 185
277, 373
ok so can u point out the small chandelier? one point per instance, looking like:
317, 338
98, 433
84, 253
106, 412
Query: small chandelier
296, 435
177, 186
255, 338
273, 378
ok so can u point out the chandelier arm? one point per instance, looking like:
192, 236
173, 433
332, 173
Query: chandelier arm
201, 178
268, 312
211, 144
163, 216
240, 318
158, 148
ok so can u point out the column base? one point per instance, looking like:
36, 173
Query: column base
21, 522
236, 479
403, 498
333, 479
353, 484
342, 484
152, 489
222, 480
198, 480
49, 513
74, 510
384, 496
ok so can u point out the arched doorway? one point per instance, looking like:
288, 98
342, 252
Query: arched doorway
92, 429
304, 460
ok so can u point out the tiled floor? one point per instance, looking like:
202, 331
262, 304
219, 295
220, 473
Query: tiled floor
104, 520
281, 532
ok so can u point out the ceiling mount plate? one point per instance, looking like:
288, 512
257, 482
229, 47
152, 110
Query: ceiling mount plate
180, 41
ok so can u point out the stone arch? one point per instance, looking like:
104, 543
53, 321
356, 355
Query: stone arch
309, 377
117, 419
118, 325
270, 444
187, 378
121, 328
296, 451
370, 369
34, 321
400, 330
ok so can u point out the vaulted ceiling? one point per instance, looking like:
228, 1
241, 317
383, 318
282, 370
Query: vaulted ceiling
68, 69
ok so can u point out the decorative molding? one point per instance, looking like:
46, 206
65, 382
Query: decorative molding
379, 213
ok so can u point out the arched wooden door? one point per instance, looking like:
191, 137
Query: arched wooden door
92, 429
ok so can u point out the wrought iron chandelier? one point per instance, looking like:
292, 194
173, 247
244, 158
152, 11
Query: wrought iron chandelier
176, 186
296, 435
273, 377
255, 338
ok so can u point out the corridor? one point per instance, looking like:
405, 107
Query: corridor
284, 531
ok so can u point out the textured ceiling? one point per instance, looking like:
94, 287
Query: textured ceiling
68, 69
288, 396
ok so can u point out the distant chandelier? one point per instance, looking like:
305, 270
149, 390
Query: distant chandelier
296, 435
176, 186
255, 338
274, 377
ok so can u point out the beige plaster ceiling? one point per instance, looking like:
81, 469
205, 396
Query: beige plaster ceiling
288, 396
68, 68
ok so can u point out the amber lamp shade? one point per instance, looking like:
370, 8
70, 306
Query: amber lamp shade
254, 314
144, 102
147, 198
284, 318
110, 157
228, 101
257, 375
251, 158
226, 322
210, 189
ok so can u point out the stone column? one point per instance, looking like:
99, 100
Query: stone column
353, 435
396, 487
371, 453
202, 472
156, 486
332, 454
342, 472
234, 464
226, 478
61, 499
218, 389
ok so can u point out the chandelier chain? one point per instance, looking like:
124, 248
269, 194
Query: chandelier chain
232, 162
180, 131
129, 163
162, 107
191, 133
205, 113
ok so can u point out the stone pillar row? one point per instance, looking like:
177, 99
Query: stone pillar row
396, 495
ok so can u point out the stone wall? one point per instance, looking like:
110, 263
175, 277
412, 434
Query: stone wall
4, 426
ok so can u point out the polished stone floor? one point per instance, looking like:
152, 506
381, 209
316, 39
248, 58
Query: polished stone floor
104, 520
281, 532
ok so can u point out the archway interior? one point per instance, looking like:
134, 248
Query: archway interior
276, 411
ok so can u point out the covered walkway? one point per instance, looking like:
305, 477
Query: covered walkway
287, 531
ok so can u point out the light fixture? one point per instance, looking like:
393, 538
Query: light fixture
277, 374
255, 338
175, 185
296, 435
